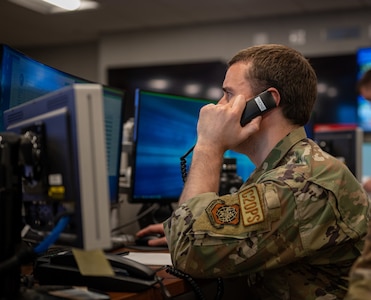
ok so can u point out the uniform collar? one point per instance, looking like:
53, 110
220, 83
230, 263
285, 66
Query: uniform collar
280, 150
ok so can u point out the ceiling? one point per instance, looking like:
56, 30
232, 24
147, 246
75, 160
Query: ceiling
22, 27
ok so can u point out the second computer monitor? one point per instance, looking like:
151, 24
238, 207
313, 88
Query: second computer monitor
165, 129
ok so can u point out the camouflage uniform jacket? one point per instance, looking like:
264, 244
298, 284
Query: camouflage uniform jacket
360, 275
293, 229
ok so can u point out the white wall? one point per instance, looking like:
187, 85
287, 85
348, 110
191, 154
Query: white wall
207, 42
221, 41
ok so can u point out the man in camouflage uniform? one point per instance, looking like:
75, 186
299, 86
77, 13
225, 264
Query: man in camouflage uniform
297, 225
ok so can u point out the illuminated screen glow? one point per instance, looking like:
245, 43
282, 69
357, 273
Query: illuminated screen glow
23, 78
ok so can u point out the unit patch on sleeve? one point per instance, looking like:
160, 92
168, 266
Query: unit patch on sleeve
221, 214
251, 206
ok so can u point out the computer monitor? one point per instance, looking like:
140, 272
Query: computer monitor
165, 128
22, 79
336, 93
344, 143
66, 170
113, 118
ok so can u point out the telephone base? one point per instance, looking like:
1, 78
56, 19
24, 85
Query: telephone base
48, 274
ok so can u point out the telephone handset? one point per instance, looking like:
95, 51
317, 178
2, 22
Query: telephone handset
257, 106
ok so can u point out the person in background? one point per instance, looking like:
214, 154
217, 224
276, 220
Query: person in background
364, 89
364, 85
297, 225
360, 275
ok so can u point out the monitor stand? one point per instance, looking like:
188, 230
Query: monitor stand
159, 215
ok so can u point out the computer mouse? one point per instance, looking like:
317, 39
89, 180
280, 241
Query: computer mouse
143, 240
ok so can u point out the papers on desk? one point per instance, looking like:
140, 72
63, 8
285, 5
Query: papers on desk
151, 258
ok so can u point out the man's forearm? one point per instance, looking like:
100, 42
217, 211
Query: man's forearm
204, 174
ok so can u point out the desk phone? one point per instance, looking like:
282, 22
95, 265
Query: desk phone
62, 269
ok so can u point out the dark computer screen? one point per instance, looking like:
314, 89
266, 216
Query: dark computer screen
344, 143
165, 129
336, 99
23, 78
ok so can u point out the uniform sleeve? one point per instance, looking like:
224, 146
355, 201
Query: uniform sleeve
263, 226
254, 229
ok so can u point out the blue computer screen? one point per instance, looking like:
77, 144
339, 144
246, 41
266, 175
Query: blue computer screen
22, 79
165, 129
364, 106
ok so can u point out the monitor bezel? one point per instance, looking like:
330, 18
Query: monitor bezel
83, 172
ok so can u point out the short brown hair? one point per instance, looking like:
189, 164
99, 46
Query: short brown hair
288, 71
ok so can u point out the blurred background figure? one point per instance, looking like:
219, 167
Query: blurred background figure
360, 274
364, 89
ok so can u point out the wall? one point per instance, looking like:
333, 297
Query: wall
80, 60
209, 42
310, 35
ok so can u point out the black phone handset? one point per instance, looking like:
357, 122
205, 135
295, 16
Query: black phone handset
257, 106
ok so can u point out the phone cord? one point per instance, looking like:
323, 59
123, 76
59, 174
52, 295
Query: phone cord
196, 288
183, 164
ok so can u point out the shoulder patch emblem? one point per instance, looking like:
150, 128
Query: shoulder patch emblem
221, 214
251, 206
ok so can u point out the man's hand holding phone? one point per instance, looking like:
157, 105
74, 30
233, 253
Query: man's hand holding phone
257, 106
218, 130
219, 125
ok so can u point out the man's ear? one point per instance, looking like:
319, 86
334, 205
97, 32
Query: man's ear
276, 95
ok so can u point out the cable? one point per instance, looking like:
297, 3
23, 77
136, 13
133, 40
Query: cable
26, 254
196, 288
164, 291
219, 289
53, 236
23, 255
138, 217
183, 164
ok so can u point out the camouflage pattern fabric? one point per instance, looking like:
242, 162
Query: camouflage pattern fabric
360, 275
293, 230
